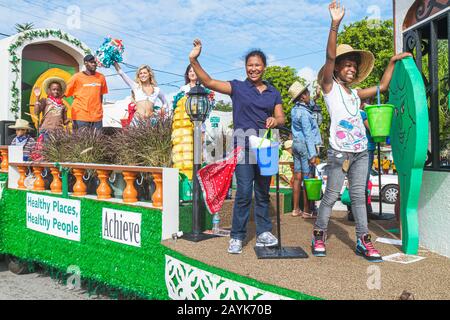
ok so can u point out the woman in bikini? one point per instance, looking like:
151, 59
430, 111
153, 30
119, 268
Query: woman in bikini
145, 90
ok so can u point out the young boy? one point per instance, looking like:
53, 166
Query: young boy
23, 138
54, 112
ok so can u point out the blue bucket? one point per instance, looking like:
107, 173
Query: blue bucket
268, 159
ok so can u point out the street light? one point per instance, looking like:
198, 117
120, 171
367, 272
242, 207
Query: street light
198, 109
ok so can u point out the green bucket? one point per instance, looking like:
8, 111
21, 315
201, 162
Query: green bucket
380, 120
313, 188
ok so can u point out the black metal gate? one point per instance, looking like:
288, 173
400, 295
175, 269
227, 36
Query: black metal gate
427, 42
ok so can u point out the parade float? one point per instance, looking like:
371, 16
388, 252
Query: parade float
125, 241
52, 216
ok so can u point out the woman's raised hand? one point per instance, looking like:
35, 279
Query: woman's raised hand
337, 12
197, 50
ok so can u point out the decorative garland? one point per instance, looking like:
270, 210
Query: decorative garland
15, 60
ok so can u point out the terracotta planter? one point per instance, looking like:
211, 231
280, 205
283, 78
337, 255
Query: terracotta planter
103, 190
130, 193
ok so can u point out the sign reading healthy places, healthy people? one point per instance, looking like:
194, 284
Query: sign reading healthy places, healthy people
54, 216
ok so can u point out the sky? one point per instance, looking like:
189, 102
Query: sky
160, 33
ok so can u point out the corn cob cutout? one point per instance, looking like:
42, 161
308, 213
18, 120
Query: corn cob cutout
183, 140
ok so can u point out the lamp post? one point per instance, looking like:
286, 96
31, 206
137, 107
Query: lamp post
198, 109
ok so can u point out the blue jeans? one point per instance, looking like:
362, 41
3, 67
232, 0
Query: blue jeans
371, 158
248, 178
85, 124
357, 175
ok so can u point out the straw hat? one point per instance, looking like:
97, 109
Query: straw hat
288, 144
296, 90
21, 124
48, 81
364, 68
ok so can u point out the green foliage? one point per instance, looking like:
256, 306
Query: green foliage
324, 128
282, 78
374, 36
223, 106
443, 74
21, 27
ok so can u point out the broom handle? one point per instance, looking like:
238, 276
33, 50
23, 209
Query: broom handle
282, 128
378, 94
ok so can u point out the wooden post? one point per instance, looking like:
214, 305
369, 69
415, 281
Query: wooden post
79, 189
56, 185
39, 184
157, 197
23, 175
4, 167
103, 190
130, 194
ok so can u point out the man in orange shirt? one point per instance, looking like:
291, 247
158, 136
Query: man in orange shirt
87, 88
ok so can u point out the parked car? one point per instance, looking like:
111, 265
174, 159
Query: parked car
389, 183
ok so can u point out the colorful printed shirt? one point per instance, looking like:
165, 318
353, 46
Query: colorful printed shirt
28, 144
347, 130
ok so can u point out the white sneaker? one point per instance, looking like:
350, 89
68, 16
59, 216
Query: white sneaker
235, 246
266, 239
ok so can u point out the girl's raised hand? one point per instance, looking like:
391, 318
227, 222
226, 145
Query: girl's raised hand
37, 92
337, 11
401, 56
197, 50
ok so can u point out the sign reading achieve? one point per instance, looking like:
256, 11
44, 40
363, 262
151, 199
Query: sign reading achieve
122, 227
54, 216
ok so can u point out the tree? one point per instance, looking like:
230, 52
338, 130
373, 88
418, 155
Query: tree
223, 106
374, 36
21, 27
282, 78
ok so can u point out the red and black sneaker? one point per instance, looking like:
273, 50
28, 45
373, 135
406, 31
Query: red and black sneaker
318, 244
365, 248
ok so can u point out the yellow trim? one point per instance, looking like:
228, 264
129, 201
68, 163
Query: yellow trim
50, 73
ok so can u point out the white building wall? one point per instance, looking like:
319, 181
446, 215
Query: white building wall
434, 212
6, 75
401, 8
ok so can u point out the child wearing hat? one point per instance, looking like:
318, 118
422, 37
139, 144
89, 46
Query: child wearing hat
23, 138
306, 134
54, 112
348, 153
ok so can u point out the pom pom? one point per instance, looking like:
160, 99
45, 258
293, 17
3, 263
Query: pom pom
109, 52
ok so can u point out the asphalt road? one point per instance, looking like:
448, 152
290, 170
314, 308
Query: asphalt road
37, 286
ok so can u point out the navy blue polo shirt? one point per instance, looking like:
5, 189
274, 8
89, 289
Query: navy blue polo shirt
250, 106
